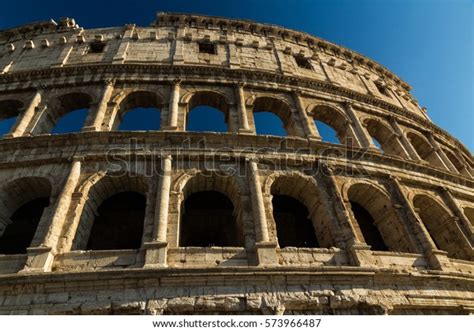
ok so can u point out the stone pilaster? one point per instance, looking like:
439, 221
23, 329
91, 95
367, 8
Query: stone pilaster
25, 118
462, 222
441, 155
266, 253
407, 146
309, 130
101, 108
241, 109
436, 258
156, 250
173, 106
362, 134
358, 250
40, 259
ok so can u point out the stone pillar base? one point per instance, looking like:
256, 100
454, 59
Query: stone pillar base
362, 255
169, 128
89, 128
39, 259
266, 253
245, 131
155, 254
438, 260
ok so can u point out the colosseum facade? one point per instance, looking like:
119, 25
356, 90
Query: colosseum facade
169, 221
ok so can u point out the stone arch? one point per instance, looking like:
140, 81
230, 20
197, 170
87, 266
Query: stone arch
375, 220
387, 138
304, 189
424, 149
213, 181
338, 120
60, 106
441, 226
281, 108
212, 99
33, 193
10, 109
96, 190
136, 99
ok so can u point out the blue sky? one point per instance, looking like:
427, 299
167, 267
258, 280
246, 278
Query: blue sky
428, 43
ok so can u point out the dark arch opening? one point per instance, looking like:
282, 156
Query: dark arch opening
119, 222
73, 121
269, 123
294, 227
208, 220
367, 226
327, 132
141, 119
206, 119
24, 221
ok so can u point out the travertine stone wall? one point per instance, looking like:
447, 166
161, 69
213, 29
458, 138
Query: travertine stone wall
419, 189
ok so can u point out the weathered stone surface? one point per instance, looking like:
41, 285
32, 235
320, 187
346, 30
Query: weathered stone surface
419, 191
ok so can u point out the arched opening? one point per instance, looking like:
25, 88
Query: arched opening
269, 123
327, 133
208, 111
140, 119
441, 227
367, 226
208, 220
294, 226
24, 221
73, 121
424, 149
119, 222
112, 215
276, 117
300, 216
22, 205
211, 211
333, 126
206, 119
57, 117
9, 111
140, 110
469, 212
376, 221
384, 138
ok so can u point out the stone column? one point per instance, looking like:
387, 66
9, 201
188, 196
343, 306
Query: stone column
40, 259
411, 152
364, 137
156, 250
101, 108
310, 131
440, 154
358, 250
26, 117
436, 258
174, 106
242, 110
266, 254
462, 222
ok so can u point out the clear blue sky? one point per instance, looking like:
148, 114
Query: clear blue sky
428, 43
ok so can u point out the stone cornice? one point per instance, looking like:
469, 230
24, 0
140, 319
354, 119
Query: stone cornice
60, 148
93, 73
347, 274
